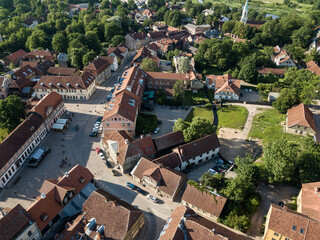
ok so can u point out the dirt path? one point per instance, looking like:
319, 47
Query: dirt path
234, 141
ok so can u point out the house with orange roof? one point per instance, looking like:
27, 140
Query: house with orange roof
39, 55
61, 199
162, 80
283, 223
225, 86
282, 58
137, 40
313, 67
14, 58
120, 52
100, 68
300, 120
308, 200
164, 181
143, 53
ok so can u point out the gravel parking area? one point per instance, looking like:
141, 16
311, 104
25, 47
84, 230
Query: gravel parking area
167, 116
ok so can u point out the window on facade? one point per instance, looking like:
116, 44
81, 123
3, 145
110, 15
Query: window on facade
123, 124
128, 124
29, 233
115, 119
294, 227
276, 234
107, 124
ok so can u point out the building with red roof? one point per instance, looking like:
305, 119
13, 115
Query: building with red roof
14, 58
100, 68
225, 86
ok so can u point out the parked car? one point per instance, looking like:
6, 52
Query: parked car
141, 191
212, 172
163, 106
246, 90
37, 156
153, 198
157, 130
93, 134
102, 156
217, 169
132, 186
114, 172
159, 121
108, 164
250, 90
98, 150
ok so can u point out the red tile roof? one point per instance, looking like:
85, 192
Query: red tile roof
55, 190
65, 82
170, 160
25, 71
139, 36
313, 67
310, 200
117, 216
30, 63
21, 83
206, 200
97, 66
14, 223
197, 147
144, 53
36, 53
62, 71
48, 104
225, 83
146, 144
168, 179
301, 115
276, 71
166, 76
282, 221
16, 55
18, 137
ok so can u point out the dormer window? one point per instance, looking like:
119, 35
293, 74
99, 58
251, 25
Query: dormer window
81, 180
43, 217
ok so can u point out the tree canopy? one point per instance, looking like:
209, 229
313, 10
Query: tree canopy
11, 112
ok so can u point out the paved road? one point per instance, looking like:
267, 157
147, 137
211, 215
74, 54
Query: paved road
78, 147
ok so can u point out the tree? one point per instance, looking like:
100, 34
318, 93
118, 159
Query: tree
11, 112
93, 42
155, 4
59, 43
178, 90
280, 159
76, 55
213, 181
88, 57
180, 125
149, 65
111, 29
116, 40
161, 12
199, 127
38, 39
201, 19
183, 64
287, 99
248, 73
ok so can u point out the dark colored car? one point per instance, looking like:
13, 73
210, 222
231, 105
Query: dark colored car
108, 164
141, 191
132, 186
186, 171
93, 134
159, 121
218, 169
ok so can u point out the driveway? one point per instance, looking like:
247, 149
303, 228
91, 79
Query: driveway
282, 192
167, 116
235, 142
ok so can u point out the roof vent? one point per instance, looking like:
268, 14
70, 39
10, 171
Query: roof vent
50, 84
43, 195
81, 180
66, 174
68, 84
59, 84
126, 141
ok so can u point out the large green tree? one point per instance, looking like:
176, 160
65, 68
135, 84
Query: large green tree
11, 112
199, 127
60, 43
149, 65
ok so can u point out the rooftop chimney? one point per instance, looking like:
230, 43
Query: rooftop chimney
43, 195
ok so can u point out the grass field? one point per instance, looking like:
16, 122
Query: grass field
3, 134
200, 112
266, 126
268, 6
229, 116
232, 116
199, 98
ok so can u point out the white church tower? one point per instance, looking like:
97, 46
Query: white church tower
244, 17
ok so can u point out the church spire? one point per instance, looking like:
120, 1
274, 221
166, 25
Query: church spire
244, 17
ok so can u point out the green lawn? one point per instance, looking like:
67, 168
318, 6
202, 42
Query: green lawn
200, 112
266, 126
232, 116
199, 98
3, 134
229, 116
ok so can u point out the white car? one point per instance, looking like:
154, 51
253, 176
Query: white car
153, 198
246, 90
250, 90
157, 130
212, 172
174, 120
102, 156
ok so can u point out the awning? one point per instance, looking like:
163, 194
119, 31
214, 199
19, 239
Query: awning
58, 126
62, 121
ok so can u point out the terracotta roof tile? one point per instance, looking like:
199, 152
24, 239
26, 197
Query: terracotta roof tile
276, 71
117, 216
301, 115
25, 71
139, 35
14, 223
61, 82
166, 76
61, 71
197, 147
170, 178
282, 221
170, 160
207, 201
18, 137
97, 66
310, 200
21, 83
146, 144
36, 53
16, 55
313, 67
30, 63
